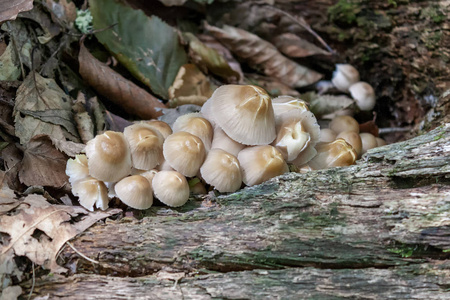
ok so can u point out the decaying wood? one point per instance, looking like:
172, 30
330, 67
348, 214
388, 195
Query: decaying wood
378, 229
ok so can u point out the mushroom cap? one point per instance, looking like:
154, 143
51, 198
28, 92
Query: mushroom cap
109, 157
298, 131
184, 152
260, 163
195, 124
283, 104
338, 153
91, 191
344, 123
245, 113
344, 76
77, 168
222, 141
135, 191
354, 139
368, 141
380, 142
327, 135
161, 126
363, 94
222, 170
146, 145
171, 188
207, 113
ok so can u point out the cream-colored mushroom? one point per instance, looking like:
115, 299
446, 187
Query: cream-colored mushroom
222, 170
344, 76
171, 188
195, 124
135, 191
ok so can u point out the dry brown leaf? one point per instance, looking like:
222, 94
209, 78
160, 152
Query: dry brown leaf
294, 46
190, 86
43, 164
8, 199
9, 9
38, 230
63, 10
260, 54
116, 88
272, 86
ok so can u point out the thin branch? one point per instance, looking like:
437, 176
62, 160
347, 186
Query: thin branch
82, 255
33, 282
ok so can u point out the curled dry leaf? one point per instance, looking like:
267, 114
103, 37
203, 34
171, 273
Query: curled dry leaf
63, 10
38, 230
42, 107
191, 86
116, 88
261, 54
210, 59
294, 46
272, 86
322, 105
9, 64
9, 9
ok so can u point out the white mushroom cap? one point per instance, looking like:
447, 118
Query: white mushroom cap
222, 141
222, 170
109, 157
135, 191
161, 126
90, 192
207, 113
164, 166
344, 76
195, 124
184, 152
338, 153
327, 135
380, 142
245, 113
260, 163
363, 94
146, 145
283, 104
354, 139
368, 141
171, 188
77, 168
344, 123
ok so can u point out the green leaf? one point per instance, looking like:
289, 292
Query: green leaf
146, 46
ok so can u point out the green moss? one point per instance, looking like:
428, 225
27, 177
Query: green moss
433, 13
344, 11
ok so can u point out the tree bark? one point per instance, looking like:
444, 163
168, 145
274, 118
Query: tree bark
378, 229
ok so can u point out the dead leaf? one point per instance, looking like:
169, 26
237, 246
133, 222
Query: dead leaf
116, 123
8, 199
370, 127
274, 87
85, 126
38, 230
9, 9
210, 59
63, 10
38, 103
260, 54
190, 86
116, 88
97, 111
294, 46
42, 18
9, 65
11, 293
43, 164
171, 114
322, 105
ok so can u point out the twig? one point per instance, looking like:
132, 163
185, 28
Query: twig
393, 129
82, 255
33, 282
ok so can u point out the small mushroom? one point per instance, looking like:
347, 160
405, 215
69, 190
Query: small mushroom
260, 163
195, 124
338, 153
90, 192
171, 188
380, 142
161, 126
344, 123
344, 76
245, 113
363, 94
353, 139
146, 145
368, 141
222, 141
327, 135
222, 170
135, 191
184, 152
283, 104
109, 157
77, 168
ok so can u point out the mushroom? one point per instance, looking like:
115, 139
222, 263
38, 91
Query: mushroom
222, 141
363, 94
109, 157
380, 141
171, 188
283, 104
207, 113
245, 113
353, 139
344, 76
184, 152
90, 192
195, 124
161, 126
222, 170
146, 145
260, 163
344, 123
368, 141
327, 135
77, 168
135, 191
335, 154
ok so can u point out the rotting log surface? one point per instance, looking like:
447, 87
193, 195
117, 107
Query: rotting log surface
379, 229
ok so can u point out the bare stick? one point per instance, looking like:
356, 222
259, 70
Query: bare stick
81, 254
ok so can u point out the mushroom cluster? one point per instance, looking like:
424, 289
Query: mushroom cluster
240, 136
